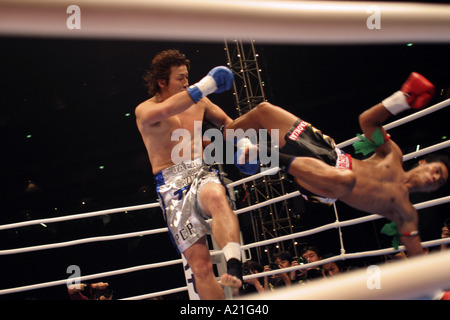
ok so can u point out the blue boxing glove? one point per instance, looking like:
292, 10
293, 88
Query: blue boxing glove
219, 79
251, 166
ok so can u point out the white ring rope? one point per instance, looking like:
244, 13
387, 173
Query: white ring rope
337, 224
92, 276
424, 151
157, 294
341, 238
288, 237
270, 21
83, 241
346, 256
78, 216
354, 285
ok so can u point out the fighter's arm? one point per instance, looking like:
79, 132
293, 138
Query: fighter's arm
215, 115
217, 80
407, 225
372, 119
371, 123
415, 93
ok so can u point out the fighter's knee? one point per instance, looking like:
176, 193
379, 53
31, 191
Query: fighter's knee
202, 268
213, 192
211, 195
264, 108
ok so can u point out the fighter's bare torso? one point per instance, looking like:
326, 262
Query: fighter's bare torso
382, 188
380, 185
157, 136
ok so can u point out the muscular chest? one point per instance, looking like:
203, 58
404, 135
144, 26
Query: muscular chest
179, 131
379, 187
187, 120
162, 131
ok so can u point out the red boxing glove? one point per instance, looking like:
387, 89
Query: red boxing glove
446, 295
418, 90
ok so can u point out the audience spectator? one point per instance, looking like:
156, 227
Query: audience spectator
255, 284
445, 233
332, 268
285, 260
311, 253
94, 291
280, 279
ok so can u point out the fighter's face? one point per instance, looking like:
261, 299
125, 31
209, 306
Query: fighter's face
178, 79
433, 175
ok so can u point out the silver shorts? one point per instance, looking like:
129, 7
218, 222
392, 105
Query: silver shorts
179, 189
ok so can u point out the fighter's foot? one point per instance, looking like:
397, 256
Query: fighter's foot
227, 280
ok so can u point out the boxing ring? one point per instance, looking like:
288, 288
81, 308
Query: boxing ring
438, 275
411, 22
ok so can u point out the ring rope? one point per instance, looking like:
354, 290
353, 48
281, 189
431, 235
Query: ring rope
79, 216
173, 262
346, 256
83, 241
288, 237
424, 151
270, 21
336, 224
92, 276
157, 294
341, 239
354, 285
122, 209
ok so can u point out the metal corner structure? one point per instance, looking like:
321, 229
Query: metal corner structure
275, 219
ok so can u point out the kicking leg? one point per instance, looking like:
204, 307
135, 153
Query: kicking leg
266, 116
320, 178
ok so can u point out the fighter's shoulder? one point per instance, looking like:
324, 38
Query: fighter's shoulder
148, 112
389, 147
145, 104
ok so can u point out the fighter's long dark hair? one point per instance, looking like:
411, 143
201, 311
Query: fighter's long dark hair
160, 68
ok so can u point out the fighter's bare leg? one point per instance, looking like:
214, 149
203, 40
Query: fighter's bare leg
225, 224
322, 179
199, 259
312, 174
266, 116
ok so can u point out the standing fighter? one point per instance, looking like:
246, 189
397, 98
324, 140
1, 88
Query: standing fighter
190, 192
376, 185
